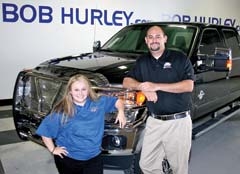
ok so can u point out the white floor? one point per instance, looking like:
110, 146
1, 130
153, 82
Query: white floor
30, 158
216, 152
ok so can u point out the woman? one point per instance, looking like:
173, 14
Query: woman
73, 131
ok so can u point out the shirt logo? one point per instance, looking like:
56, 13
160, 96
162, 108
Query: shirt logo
94, 109
167, 65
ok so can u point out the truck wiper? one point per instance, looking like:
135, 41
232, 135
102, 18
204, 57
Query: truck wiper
57, 60
106, 50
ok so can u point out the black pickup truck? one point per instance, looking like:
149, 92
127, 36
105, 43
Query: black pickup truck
213, 50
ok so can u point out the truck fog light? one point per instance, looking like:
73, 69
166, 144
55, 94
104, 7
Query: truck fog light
116, 141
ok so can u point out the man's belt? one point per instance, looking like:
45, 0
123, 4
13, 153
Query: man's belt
171, 116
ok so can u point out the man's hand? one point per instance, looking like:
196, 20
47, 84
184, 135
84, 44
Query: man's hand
149, 90
151, 96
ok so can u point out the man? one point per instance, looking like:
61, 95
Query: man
166, 79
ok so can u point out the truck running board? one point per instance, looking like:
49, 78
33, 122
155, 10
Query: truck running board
210, 124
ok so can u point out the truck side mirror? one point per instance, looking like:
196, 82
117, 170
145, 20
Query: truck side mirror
96, 45
220, 61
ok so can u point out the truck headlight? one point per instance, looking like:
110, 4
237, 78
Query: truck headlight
134, 98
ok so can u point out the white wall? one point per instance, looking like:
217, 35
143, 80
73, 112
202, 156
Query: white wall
25, 42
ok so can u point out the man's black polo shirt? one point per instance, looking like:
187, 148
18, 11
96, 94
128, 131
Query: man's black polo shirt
171, 67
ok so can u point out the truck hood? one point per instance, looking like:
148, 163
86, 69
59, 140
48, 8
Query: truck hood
113, 66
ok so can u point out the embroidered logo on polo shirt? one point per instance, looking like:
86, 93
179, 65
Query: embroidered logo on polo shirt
94, 109
167, 65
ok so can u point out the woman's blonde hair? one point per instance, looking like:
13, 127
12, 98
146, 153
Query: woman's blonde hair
66, 105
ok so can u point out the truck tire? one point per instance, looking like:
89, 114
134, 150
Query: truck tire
134, 168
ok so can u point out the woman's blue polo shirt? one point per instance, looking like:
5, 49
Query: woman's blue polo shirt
82, 134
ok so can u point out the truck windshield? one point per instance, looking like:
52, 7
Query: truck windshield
131, 39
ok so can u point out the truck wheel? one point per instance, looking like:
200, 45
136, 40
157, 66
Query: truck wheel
18, 126
21, 134
134, 168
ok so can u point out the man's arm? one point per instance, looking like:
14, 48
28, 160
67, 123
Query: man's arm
178, 87
130, 83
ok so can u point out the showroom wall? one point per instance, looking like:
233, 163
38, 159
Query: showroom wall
33, 31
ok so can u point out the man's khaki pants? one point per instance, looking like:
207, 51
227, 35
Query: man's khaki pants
171, 139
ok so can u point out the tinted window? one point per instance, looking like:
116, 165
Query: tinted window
210, 40
232, 42
132, 39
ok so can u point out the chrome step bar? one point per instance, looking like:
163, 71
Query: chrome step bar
215, 121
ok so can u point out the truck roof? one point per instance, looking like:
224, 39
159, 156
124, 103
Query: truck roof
197, 24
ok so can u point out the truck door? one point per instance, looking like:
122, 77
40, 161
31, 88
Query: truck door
232, 40
211, 88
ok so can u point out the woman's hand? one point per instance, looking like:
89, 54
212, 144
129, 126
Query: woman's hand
60, 151
120, 116
121, 119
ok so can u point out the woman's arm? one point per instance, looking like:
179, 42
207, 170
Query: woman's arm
120, 116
